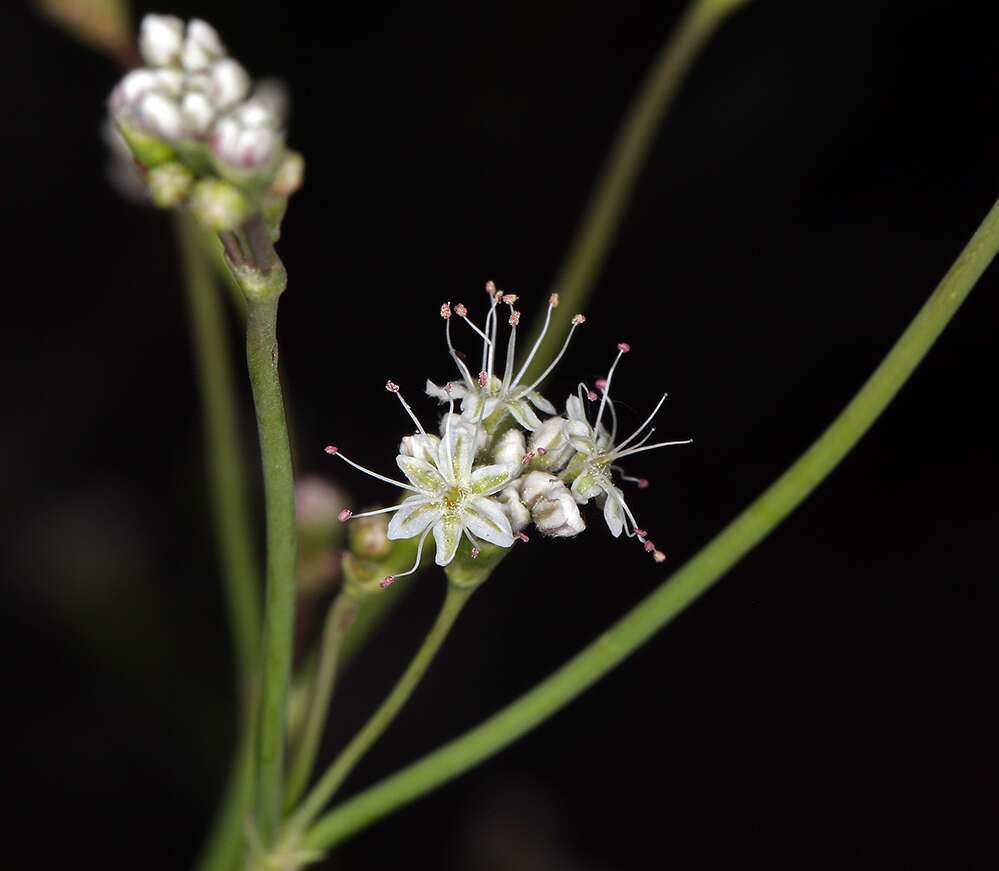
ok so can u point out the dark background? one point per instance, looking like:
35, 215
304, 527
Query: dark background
830, 704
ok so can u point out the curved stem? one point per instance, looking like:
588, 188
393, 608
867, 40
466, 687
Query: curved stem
338, 621
581, 266
279, 610
323, 791
690, 581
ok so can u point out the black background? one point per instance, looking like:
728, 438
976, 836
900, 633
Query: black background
830, 704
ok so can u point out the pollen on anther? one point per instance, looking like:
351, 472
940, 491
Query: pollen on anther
600, 384
514, 318
542, 451
553, 300
460, 310
623, 347
510, 298
649, 547
330, 449
528, 457
446, 310
483, 378
641, 533
391, 387
475, 552
659, 556
490, 287
522, 536
344, 515
447, 388
389, 580
578, 319
591, 395
642, 483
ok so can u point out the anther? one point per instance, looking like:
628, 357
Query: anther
528, 457
510, 298
642, 483
542, 451
649, 547
601, 383
490, 288
389, 580
578, 319
483, 378
514, 318
475, 552
460, 310
591, 395
553, 300
522, 536
344, 515
447, 389
623, 347
446, 310
330, 449
659, 556
391, 387
641, 533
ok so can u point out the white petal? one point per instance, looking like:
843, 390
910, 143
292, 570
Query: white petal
455, 455
474, 407
160, 39
485, 519
437, 392
516, 511
510, 449
486, 480
421, 474
523, 414
230, 84
423, 447
586, 486
574, 408
613, 513
535, 485
539, 402
413, 517
447, 534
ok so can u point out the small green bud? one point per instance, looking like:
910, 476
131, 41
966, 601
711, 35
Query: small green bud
169, 184
218, 205
368, 538
289, 176
146, 149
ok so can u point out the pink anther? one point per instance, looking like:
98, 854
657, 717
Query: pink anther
483, 378
344, 515
528, 457
510, 298
514, 318
490, 287
391, 387
601, 383
641, 533
446, 311
553, 301
591, 395
460, 310
389, 580
522, 536
475, 552
642, 483
659, 556
649, 547
542, 451
330, 449
447, 388
623, 347
578, 319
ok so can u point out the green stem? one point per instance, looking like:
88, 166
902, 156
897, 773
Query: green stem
581, 266
224, 461
328, 784
279, 610
338, 621
690, 581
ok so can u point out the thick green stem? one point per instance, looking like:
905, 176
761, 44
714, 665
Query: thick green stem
581, 267
279, 608
338, 621
690, 581
224, 460
328, 784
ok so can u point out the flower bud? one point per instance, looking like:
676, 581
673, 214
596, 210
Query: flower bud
161, 38
516, 511
197, 113
169, 183
289, 176
423, 447
218, 205
201, 46
510, 449
459, 424
553, 509
160, 116
368, 537
236, 147
549, 445
230, 83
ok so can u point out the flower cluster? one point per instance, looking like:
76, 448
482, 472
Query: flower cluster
497, 466
192, 112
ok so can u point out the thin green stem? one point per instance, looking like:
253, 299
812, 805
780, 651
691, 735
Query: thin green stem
279, 610
224, 461
334, 776
581, 266
690, 581
338, 621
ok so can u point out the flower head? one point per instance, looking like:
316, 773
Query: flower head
489, 396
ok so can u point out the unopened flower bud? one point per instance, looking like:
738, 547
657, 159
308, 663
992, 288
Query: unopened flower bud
510, 449
289, 176
515, 510
368, 537
218, 205
161, 38
160, 116
423, 447
131, 88
553, 509
239, 147
548, 444
201, 46
170, 82
230, 83
197, 113
169, 183
459, 424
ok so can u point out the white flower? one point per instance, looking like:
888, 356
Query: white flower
451, 497
230, 83
201, 46
160, 40
590, 469
489, 397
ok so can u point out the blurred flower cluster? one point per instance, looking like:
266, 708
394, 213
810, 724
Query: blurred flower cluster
199, 131
496, 466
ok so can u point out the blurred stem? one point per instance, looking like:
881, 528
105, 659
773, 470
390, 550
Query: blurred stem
691, 580
224, 461
279, 610
581, 267
338, 621
328, 784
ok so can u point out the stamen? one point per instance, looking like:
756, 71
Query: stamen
491, 288
510, 298
647, 421
344, 515
553, 300
419, 553
522, 536
462, 368
460, 310
552, 303
644, 448
371, 513
463, 314
542, 451
389, 580
591, 395
642, 483
392, 387
659, 556
527, 457
641, 533
623, 347
600, 384
334, 452
483, 378
649, 547
514, 318
576, 321
446, 310
511, 345
475, 552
